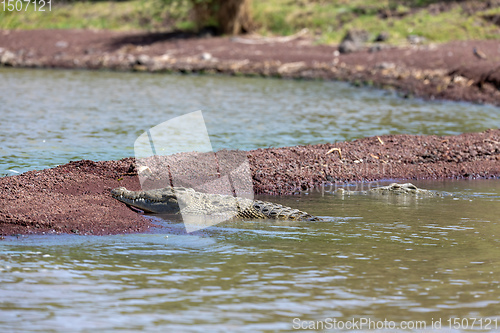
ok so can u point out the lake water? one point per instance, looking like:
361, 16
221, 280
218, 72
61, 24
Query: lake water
411, 262
49, 117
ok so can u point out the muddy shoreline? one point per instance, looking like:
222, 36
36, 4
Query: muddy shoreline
448, 71
75, 197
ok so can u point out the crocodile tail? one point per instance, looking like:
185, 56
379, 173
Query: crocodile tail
303, 216
280, 212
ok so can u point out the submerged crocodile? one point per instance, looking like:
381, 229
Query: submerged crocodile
175, 200
180, 200
394, 189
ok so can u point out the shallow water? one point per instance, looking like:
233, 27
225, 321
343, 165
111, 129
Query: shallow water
49, 117
411, 262
407, 261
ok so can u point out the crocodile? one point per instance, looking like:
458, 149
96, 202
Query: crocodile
407, 189
181, 200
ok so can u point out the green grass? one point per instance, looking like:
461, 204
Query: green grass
327, 20
111, 15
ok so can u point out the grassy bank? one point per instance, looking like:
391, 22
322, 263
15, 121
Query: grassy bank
326, 20
330, 19
110, 15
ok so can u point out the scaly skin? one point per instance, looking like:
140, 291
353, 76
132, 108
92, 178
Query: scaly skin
175, 200
394, 189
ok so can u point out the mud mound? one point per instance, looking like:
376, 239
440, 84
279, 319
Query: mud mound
75, 197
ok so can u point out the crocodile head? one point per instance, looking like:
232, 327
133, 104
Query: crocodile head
407, 189
159, 201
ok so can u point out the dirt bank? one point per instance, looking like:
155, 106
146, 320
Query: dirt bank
449, 71
75, 198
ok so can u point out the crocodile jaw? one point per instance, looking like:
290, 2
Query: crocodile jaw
157, 202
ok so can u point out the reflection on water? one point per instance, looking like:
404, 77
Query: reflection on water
378, 258
50, 117
400, 260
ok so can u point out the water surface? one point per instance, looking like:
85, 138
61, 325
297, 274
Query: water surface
49, 117
404, 260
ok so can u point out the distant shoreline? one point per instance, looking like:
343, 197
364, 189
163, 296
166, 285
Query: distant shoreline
75, 197
448, 71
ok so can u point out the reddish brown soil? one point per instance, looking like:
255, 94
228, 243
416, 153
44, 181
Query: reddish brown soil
75, 198
449, 71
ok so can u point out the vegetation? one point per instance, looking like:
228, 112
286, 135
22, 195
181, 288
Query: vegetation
327, 20
113, 15
227, 16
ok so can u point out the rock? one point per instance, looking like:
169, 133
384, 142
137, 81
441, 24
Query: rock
291, 67
349, 47
206, 56
385, 65
479, 54
144, 171
357, 36
494, 78
62, 44
382, 37
164, 57
377, 47
8, 59
415, 39
143, 59
354, 41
